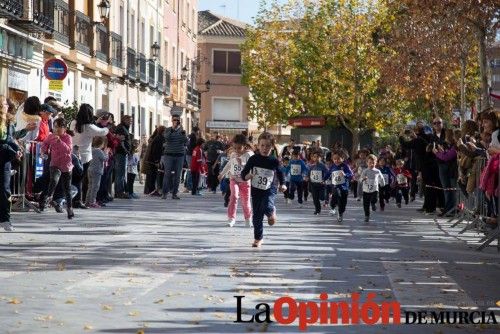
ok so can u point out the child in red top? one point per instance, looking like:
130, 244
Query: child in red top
198, 166
403, 177
60, 146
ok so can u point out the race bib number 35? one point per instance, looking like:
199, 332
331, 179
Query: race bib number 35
263, 178
338, 178
295, 170
316, 176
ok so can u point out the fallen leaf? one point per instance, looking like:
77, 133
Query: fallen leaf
159, 301
70, 301
43, 318
88, 327
14, 301
498, 303
140, 331
106, 308
133, 313
61, 266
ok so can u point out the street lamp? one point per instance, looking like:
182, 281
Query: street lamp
184, 72
104, 8
155, 50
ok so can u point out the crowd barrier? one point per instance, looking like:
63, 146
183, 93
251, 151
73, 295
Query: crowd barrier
24, 174
473, 210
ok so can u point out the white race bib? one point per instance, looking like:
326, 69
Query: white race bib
369, 186
401, 179
263, 178
338, 177
295, 169
316, 176
236, 168
386, 178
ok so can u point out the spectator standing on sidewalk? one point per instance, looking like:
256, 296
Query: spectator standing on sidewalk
122, 151
213, 148
173, 157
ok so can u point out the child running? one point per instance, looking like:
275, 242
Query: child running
263, 170
60, 146
316, 175
341, 176
297, 169
389, 178
284, 170
403, 176
372, 180
239, 187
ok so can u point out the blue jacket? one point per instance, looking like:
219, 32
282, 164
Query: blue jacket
321, 167
303, 170
388, 171
348, 175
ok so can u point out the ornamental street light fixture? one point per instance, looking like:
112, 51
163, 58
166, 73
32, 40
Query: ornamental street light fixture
104, 7
184, 72
155, 50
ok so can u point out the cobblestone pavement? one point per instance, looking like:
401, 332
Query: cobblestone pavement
165, 266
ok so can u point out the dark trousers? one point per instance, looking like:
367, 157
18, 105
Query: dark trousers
368, 200
354, 187
262, 204
286, 193
328, 192
339, 198
317, 191
81, 183
385, 194
212, 181
413, 184
296, 185
130, 183
305, 189
105, 187
5, 203
65, 177
402, 193
150, 184
195, 177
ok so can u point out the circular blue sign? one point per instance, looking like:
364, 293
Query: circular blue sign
55, 69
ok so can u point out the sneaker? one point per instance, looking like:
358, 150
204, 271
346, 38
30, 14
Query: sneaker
163, 196
406, 202
333, 212
248, 223
58, 208
301, 206
287, 201
134, 196
367, 219
94, 206
359, 199
231, 222
101, 204
257, 243
412, 199
316, 213
175, 197
340, 218
71, 214
7, 226
374, 207
399, 205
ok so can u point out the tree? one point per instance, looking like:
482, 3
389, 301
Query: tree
321, 58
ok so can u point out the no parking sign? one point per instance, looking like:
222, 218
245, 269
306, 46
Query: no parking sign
55, 71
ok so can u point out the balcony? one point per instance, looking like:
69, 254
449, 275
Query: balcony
61, 22
131, 64
83, 36
11, 9
160, 78
102, 43
189, 97
143, 64
116, 50
194, 98
167, 83
152, 73
37, 17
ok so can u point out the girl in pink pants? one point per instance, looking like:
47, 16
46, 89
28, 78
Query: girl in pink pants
240, 153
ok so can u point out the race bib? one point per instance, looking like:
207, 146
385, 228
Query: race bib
338, 178
263, 178
386, 178
369, 185
316, 176
401, 179
295, 170
236, 168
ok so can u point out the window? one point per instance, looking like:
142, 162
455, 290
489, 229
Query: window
143, 36
166, 55
122, 19
131, 30
61, 20
227, 62
227, 109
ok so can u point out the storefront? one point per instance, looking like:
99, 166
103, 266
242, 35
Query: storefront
226, 128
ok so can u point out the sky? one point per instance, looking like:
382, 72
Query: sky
242, 10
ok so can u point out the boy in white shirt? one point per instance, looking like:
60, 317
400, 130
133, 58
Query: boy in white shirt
371, 179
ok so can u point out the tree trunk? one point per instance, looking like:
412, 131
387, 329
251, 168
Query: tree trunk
463, 63
355, 142
483, 69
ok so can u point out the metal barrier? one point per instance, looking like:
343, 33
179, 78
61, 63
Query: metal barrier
472, 208
24, 176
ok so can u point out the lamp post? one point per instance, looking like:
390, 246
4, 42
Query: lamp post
104, 7
155, 50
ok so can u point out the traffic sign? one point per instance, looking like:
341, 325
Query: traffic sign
55, 69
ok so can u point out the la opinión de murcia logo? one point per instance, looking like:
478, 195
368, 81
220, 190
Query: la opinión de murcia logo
287, 310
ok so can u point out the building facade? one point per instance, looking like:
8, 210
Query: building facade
128, 62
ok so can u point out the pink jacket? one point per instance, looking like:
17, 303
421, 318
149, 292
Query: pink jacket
60, 151
489, 177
